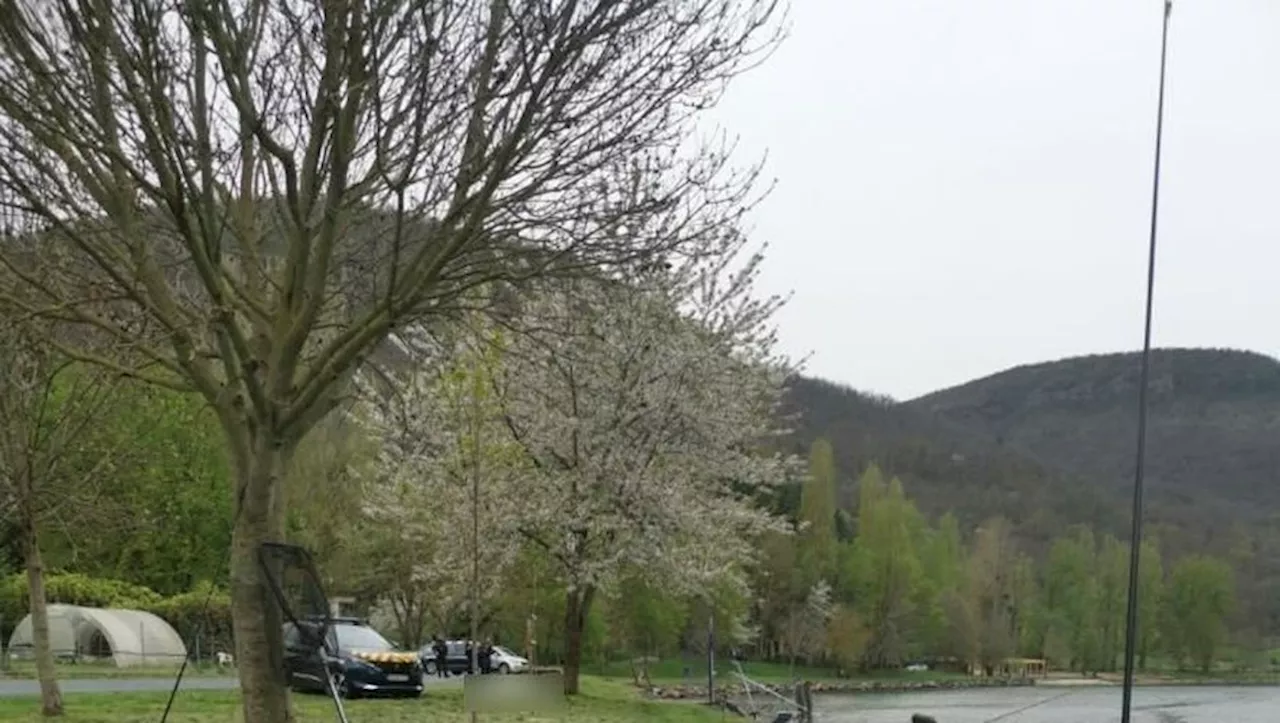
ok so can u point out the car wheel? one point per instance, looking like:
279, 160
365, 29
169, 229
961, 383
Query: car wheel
340, 684
430, 667
504, 668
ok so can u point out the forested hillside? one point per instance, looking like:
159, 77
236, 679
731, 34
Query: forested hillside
955, 488
1052, 444
1214, 422
947, 466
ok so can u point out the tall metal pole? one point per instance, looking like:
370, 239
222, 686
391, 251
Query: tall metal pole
1135, 542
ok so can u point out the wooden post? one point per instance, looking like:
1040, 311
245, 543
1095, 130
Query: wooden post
711, 658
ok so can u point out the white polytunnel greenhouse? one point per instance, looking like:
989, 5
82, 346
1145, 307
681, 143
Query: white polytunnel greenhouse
126, 638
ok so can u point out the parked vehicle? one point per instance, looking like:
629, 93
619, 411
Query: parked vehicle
366, 664
457, 660
504, 661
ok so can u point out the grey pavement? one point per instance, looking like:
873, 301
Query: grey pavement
12, 686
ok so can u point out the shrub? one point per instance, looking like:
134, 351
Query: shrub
183, 611
72, 589
186, 612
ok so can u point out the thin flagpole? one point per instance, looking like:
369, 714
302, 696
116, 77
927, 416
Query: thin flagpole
1135, 542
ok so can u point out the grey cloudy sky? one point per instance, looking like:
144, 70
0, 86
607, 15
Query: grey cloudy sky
964, 185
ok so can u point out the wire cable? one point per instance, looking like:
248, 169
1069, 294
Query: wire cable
1135, 542
1029, 706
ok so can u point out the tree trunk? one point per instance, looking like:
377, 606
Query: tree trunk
576, 606
257, 624
50, 695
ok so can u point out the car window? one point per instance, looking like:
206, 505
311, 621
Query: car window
293, 638
359, 637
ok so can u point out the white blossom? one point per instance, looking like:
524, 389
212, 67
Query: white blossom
435, 426
649, 409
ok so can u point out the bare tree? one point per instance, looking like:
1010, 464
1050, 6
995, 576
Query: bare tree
47, 404
252, 194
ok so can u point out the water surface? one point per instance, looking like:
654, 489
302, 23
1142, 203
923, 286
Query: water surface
1199, 704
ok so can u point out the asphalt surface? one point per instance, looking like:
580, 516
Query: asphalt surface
1037, 704
10, 686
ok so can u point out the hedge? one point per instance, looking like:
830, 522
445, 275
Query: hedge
183, 611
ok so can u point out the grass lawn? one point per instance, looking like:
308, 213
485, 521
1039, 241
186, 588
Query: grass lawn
66, 671
602, 701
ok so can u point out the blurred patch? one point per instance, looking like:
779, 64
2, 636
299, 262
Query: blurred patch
513, 693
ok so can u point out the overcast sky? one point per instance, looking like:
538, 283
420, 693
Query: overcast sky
964, 185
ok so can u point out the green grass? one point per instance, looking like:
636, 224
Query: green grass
602, 701
66, 671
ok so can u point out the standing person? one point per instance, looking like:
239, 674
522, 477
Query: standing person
471, 646
486, 657
442, 658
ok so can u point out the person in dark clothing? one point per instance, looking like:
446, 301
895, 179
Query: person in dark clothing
486, 658
471, 649
442, 658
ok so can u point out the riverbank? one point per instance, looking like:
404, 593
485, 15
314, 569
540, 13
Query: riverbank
1194, 679
602, 701
893, 685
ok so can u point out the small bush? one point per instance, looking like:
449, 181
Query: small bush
184, 611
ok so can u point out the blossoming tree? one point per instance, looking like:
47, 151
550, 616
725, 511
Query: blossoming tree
444, 489
646, 409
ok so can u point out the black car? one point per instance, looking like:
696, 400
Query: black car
365, 664
457, 662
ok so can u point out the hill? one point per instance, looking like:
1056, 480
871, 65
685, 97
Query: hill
946, 466
1213, 427
1052, 444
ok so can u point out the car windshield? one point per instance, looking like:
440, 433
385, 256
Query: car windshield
504, 651
358, 637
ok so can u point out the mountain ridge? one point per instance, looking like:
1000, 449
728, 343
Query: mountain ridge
1214, 419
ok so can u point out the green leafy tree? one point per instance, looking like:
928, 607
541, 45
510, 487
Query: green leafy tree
846, 638
775, 586
1150, 599
1071, 594
941, 557
816, 546
644, 621
161, 477
1201, 595
1112, 572
995, 567
887, 567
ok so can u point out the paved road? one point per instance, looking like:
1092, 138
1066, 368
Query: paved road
117, 685
1200, 704
146, 685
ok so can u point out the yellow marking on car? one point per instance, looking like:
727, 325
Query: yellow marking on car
387, 657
